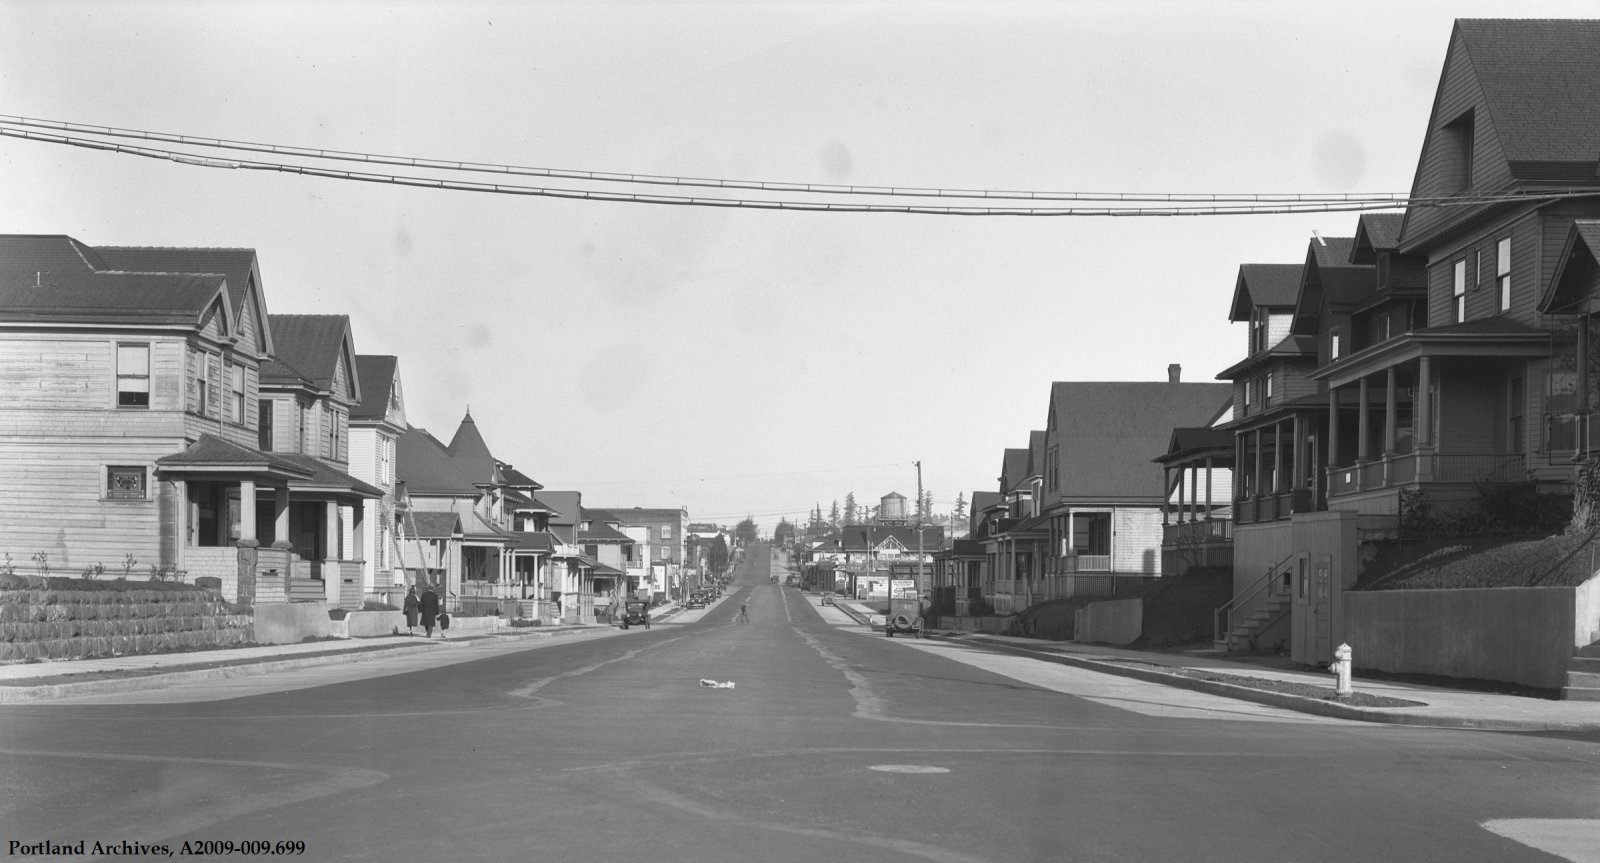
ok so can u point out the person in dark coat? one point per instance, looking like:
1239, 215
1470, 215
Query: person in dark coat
429, 607
411, 607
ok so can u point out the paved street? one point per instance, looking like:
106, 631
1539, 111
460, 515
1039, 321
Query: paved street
833, 744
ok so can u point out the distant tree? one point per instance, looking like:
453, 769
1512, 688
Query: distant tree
783, 534
852, 513
960, 511
746, 532
833, 517
925, 505
717, 555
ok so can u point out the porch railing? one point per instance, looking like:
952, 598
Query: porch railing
1211, 530
1222, 621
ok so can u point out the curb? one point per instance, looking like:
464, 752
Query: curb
136, 679
1385, 715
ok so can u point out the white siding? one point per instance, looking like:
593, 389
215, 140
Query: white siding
1136, 541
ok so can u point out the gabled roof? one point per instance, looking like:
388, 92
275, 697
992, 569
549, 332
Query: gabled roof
326, 477
210, 452
1189, 442
1014, 468
312, 347
377, 373
1264, 286
855, 537
1329, 278
56, 278
1575, 269
1375, 232
1531, 90
435, 525
237, 265
1107, 433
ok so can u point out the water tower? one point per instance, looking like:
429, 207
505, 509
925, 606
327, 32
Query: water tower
892, 509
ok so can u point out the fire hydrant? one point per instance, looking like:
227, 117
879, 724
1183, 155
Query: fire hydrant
1341, 670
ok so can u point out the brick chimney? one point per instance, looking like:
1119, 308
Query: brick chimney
1174, 372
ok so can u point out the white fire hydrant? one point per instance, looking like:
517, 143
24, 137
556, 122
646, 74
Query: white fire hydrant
1341, 669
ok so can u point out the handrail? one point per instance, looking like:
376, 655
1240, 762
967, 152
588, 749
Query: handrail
1222, 619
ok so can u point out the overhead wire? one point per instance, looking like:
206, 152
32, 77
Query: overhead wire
1186, 204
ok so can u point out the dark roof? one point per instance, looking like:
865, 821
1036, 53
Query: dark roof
210, 451
538, 540
855, 536
54, 277
1332, 251
1014, 467
377, 374
435, 525
470, 451
324, 476
1192, 441
1574, 272
1107, 433
1540, 81
518, 478
1492, 326
601, 532
234, 264
309, 345
1376, 232
422, 463
1264, 285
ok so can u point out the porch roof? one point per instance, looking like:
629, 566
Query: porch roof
1291, 347
436, 525
1483, 337
1198, 444
1569, 285
539, 541
210, 454
324, 477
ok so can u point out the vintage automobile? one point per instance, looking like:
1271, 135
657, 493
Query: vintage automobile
905, 615
827, 599
696, 600
636, 613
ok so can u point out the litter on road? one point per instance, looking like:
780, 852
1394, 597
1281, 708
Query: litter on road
712, 684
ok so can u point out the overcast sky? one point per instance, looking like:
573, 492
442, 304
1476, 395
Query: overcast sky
738, 362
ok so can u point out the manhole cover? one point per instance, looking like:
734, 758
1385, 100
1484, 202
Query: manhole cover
908, 768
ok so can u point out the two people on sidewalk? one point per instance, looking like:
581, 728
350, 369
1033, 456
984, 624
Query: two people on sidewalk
427, 608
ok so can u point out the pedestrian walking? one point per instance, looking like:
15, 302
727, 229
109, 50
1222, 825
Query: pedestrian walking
744, 611
444, 623
429, 608
411, 606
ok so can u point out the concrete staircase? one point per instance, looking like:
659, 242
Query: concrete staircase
1583, 675
1267, 612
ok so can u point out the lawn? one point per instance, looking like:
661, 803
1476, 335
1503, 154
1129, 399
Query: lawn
1484, 561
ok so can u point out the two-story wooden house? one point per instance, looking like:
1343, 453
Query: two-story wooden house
376, 424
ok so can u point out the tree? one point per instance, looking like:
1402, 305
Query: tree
783, 534
833, 517
925, 506
717, 558
745, 533
851, 513
960, 511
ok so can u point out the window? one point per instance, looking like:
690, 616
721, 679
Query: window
1460, 290
127, 483
1333, 344
1385, 327
236, 393
264, 425
666, 531
1456, 153
1269, 386
202, 395
133, 376
332, 450
1502, 266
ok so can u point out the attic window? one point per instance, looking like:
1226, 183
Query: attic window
1456, 148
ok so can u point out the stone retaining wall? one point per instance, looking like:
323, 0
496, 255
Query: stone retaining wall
74, 624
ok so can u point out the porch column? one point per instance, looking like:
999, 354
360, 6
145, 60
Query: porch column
358, 522
247, 514
1166, 499
280, 517
1277, 457
1390, 438
1299, 434
1333, 427
1194, 491
1209, 475
1423, 413
330, 552
1363, 423
1256, 490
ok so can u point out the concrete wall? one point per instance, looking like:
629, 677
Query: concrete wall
1520, 635
51, 623
291, 622
1119, 621
372, 624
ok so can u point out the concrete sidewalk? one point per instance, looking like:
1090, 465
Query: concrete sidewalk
23, 682
1438, 706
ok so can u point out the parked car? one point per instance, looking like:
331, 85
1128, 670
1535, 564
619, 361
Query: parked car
696, 600
827, 599
905, 615
636, 613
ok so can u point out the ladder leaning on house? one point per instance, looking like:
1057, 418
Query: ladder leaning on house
409, 525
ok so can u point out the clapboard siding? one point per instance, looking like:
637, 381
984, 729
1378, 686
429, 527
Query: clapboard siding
1459, 93
1136, 541
52, 500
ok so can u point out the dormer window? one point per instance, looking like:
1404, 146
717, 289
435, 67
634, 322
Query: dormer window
1333, 344
1459, 290
1502, 266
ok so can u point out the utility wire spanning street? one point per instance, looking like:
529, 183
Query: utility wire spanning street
835, 743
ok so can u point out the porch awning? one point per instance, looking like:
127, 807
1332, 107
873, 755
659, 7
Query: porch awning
324, 478
211, 455
1484, 337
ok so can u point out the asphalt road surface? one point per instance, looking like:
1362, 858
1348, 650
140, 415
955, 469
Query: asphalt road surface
833, 744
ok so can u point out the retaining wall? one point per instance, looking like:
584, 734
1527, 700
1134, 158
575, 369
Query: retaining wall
291, 622
1523, 635
75, 624
1117, 621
